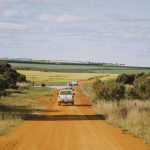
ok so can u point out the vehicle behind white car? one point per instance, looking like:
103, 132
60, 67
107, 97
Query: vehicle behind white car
69, 86
75, 82
66, 96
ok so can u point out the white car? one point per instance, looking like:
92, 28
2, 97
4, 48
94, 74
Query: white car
75, 82
66, 96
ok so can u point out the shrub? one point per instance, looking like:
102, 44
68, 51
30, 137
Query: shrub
126, 79
4, 82
102, 90
144, 89
43, 85
131, 93
140, 74
142, 86
118, 91
21, 78
109, 90
140, 82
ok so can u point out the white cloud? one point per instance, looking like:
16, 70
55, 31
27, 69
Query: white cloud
14, 13
60, 18
12, 26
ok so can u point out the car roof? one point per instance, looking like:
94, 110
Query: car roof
65, 90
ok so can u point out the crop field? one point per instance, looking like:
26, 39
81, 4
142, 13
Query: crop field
57, 78
77, 68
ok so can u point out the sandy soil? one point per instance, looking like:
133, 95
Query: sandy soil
69, 128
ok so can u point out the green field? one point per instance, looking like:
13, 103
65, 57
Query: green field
61, 73
80, 68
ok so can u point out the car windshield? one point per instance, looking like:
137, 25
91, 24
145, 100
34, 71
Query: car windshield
69, 85
65, 93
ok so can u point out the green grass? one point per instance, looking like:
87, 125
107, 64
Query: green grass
16, 107
76, 68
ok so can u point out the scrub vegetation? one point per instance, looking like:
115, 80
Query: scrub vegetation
125, 102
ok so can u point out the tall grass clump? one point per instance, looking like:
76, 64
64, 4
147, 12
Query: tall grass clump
8, 120
131, 116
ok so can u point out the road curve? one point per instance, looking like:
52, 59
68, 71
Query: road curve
69, 128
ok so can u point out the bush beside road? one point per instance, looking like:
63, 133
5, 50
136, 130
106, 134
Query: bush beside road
124, 104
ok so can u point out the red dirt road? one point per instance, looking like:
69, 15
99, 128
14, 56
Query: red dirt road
69, 128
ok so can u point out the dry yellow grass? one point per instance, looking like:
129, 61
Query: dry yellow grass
130, 117
6, 124
58, 78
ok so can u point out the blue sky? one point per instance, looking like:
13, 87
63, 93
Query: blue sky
116, 31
